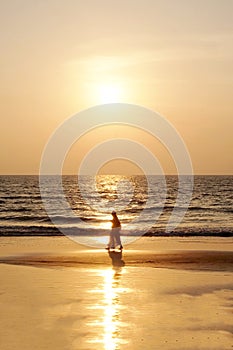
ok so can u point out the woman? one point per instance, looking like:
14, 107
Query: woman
114, 236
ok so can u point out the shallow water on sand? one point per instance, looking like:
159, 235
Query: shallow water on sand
111, 309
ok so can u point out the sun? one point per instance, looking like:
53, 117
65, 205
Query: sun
108, 92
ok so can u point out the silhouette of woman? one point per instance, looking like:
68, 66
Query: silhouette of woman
114, 236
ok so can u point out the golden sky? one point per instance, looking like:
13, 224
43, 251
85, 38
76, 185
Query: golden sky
59, 57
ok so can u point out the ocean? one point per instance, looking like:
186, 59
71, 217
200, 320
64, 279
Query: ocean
22, 212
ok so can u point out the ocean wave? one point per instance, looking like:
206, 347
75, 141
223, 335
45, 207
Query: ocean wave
23, 196
15, 218
160, 231
12, 210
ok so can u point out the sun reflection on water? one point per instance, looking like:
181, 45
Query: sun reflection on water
109, 323
111, 312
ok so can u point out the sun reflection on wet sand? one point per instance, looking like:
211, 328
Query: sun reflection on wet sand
109, 323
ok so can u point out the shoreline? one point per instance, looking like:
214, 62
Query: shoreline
179, 259
213, 254
223, 234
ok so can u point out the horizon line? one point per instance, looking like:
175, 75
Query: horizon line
194, 174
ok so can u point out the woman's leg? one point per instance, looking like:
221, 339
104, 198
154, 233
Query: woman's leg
111, 242
118, 237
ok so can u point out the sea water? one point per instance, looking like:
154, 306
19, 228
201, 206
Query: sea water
22, 211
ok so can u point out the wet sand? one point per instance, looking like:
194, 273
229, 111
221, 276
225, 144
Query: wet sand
57, 295
176, 253
191, 260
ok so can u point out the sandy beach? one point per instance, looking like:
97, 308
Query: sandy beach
56, 294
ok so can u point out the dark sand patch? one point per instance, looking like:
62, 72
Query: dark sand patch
194, 260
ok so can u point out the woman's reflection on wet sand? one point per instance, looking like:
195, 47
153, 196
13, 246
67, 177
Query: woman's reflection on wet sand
116, 259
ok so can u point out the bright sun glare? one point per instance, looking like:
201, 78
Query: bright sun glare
109, 93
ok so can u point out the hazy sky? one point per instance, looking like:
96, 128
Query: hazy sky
59, 57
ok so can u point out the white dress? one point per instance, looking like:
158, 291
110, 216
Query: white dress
114, 238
